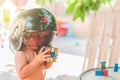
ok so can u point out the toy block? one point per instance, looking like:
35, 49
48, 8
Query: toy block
115, 69
103, 65
103, 62
98, 73
105, 72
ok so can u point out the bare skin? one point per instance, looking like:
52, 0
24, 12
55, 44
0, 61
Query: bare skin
29, 65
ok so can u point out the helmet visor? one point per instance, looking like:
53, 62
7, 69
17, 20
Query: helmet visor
43, 38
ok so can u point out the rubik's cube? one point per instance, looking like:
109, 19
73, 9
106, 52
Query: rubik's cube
53, 53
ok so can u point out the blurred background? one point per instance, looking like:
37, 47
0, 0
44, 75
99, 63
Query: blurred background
74, 19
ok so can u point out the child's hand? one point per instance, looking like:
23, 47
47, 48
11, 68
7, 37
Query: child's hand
42, 55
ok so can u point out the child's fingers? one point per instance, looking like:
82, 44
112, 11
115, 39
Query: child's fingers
47, 59
41, 50
46, 56
46, 51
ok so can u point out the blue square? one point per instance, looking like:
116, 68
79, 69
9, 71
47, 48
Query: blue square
52, 54
98, 73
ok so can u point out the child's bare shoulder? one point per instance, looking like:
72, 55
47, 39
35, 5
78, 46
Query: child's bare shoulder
20, 56
20, 53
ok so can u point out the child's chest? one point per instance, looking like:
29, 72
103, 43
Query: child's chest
30, 57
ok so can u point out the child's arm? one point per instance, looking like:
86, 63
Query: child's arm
25, 69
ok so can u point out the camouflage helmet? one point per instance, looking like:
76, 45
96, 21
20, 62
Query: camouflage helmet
32, 20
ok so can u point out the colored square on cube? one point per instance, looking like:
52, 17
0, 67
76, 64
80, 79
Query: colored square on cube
50, 49
51, 59
103, 66
54, 60
52, 54
48, 52
55, 50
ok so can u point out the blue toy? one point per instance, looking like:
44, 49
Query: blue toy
98, 73
115, 69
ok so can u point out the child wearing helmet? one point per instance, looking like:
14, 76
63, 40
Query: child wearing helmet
31, 32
